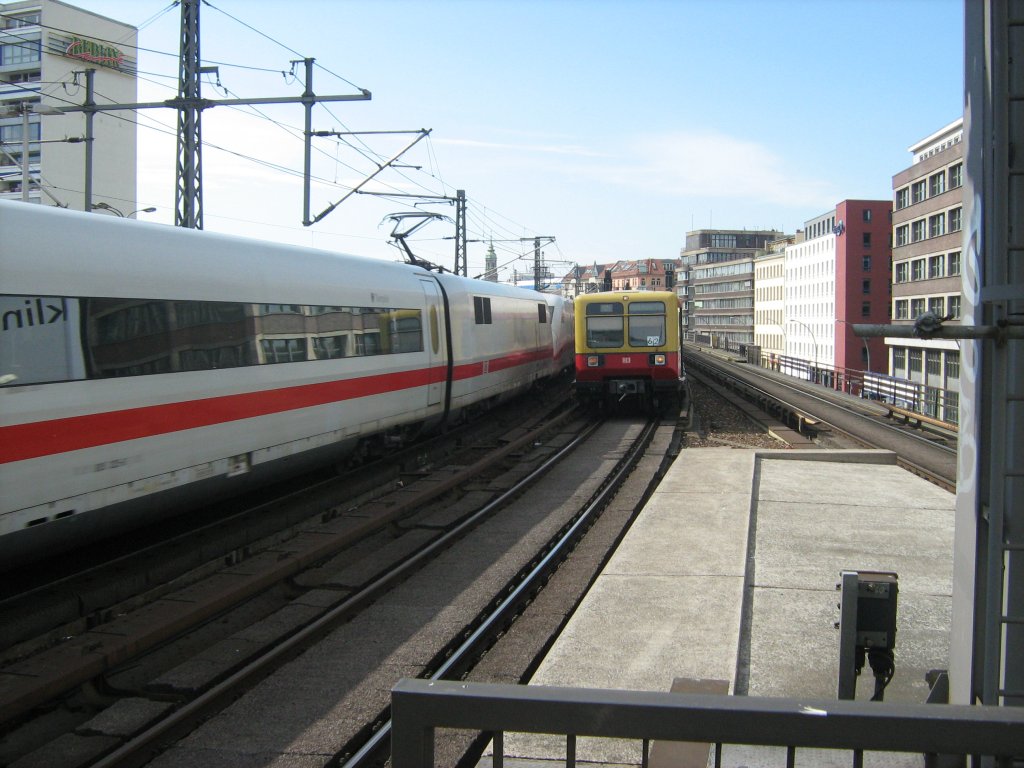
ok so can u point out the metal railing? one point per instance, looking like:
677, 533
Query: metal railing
419, 707
942, 405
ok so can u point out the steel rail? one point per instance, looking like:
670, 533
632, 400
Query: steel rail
940, 480
139, 749
511, 602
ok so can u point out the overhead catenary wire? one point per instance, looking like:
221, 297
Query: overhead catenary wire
480, 220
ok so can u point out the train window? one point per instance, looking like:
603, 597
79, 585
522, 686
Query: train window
406, 331
647, 308
482, 310
283, 350
435, 331
54, 338
542, 313
646, 330
604, 331
329, 347
605, 308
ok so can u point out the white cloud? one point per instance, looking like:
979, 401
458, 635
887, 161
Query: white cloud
709, 165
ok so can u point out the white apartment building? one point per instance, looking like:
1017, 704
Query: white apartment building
810, 289
770, 298
46, 46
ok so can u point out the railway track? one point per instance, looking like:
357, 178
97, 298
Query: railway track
812, 409
181, 695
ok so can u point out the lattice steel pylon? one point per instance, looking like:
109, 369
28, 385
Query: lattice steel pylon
188, 193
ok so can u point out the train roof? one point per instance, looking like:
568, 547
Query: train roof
628, 295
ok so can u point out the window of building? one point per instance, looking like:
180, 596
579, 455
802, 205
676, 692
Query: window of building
867, 214
11, 134
933, 363
956, 175
902, 306
917, 231
952, 365
955, 219
902, 271
865, 309
936, 266
899, 359
916, 307
919, 191
33, 76
937, 225
902, 234
937, 305
21, 52
937, 184
16, 21
952, 407
865, 286
866, 240
902, 198
953, 263
865, 264
280, 309
953, 306
914, 361
917, 269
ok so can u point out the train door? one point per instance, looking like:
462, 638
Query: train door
434, 342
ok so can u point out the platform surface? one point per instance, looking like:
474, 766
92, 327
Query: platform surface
779, 527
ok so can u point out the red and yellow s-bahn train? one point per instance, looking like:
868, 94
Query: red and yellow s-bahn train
628, 350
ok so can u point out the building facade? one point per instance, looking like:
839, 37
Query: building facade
46, 48
720, 282
770, 297
927, 224
836, 277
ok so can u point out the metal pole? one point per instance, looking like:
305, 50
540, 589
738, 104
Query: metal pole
461, 257
536, 264
814, 341
188, 189
24, 152
90, 113
308, 100
847, 688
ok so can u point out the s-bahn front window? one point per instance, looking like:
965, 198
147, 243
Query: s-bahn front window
647, 324
604, 324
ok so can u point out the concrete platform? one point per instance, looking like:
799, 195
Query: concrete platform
730, 573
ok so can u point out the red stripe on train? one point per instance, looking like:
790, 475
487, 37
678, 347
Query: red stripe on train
29, 441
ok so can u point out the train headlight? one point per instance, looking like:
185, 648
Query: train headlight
658, 359
593, 361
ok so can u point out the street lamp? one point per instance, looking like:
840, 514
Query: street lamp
813, 341
867, 349
117, 212
25, 109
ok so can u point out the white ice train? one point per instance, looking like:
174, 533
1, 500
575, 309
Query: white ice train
144, 367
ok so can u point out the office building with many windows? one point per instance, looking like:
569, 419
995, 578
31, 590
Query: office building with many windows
719, 279
47, 48
927, 224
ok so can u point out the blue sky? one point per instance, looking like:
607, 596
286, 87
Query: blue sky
614, 127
